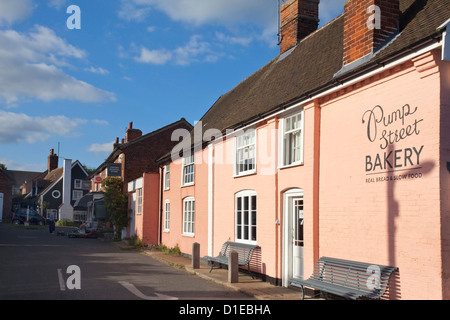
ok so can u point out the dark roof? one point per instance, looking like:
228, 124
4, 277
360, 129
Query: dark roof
121, 147
312, 66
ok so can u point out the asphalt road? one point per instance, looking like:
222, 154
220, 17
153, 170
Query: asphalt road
35, 265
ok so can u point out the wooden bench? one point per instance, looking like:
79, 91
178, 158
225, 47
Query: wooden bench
244, 251
349, 279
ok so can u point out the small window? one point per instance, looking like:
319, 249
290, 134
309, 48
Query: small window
245, 153
188, 170
292, 139
139, 201
189, 216
77, 194
167, 216
167, 177
78, 184
246, 215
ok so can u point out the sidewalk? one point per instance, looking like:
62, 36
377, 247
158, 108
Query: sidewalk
253, 287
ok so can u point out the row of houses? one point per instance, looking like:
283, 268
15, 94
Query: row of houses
337, 147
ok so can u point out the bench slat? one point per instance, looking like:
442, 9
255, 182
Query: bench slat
350, 279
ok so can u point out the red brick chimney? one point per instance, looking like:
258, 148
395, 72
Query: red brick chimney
369, 24
52, 162
132, 134
298, 19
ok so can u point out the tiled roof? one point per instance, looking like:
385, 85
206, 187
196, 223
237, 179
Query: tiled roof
313, 64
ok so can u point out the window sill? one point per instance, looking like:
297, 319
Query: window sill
188, 235
245, 174
188, 185
297, 164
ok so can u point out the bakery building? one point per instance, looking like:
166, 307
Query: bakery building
338, 147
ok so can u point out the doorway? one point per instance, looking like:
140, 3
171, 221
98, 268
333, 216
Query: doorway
293, 243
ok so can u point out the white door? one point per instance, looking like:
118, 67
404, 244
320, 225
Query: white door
1, 207
293, 236
297, 237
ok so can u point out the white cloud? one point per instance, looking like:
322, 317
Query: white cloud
100, 122
244, 41
97, 70
158, 57
57, 4
14, 10
194, 51
31, 67
17, 127
101, 147
13, 165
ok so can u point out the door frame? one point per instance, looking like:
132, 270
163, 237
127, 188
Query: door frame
288, 234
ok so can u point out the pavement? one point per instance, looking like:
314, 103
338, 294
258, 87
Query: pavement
255, 288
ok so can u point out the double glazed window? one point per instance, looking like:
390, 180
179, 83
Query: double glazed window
189, 216
246, 152
166, 215
246, 214
188, 170
167, 177
139, 201
292, 139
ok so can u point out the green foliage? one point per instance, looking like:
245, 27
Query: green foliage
65, 223
175, 251
116, 203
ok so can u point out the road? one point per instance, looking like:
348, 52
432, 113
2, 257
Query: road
36, 265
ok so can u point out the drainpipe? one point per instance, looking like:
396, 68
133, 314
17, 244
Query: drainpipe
160, 205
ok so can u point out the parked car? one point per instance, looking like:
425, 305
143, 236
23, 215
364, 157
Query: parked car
20, 216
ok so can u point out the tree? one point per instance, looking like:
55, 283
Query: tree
116, 203
2, 166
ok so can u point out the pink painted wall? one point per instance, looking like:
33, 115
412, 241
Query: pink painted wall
355, 205
176, 194
363, 217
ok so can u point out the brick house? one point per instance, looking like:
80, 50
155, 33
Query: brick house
337, 147
132, 160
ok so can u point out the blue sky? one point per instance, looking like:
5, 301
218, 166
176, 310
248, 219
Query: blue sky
146, 61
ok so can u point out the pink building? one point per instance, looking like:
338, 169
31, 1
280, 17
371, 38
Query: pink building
337, 147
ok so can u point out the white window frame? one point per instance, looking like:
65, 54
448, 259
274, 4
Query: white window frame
139, 201
189, 216
77, 194
246, 232
244, 145
166, 216
167, 177
78, 184
188, 164
286, 135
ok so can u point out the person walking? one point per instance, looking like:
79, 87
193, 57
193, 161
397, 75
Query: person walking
51, 224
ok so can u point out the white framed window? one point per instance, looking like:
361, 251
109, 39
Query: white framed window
292, 139
167, 177
78, 184
246, 216
245, 153
77, 194
188, 170
139, 201
167, 215
189, 216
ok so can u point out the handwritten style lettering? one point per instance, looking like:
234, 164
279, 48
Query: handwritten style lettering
378, 122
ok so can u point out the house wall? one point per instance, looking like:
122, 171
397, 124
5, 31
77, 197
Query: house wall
176, 194
374, 213
445, 174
